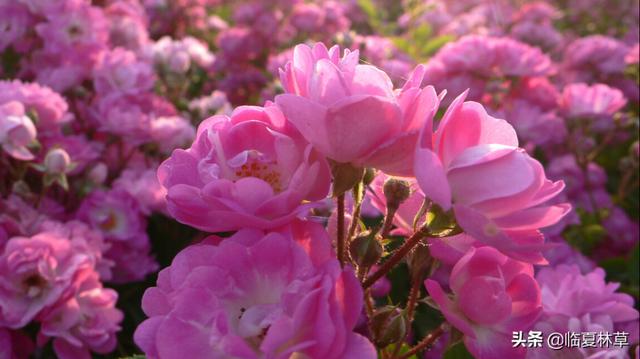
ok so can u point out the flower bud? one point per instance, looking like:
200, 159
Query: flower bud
57, 161
396, 191
98, 173
388, 325
365, 250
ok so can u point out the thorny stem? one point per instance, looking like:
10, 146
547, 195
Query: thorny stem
340, 245
425, 342
410, 309
355, 216
396, 257
413, 298
388, 221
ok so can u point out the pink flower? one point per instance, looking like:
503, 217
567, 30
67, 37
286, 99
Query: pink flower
239, 44
573, 302
253, 296
473, 61
85, 240
16, 131
589, 57
307, 17
15, 21
88, 321
77, 28
118, 216
127, 25
131, 116
350, 112
250, 170
170, 132
598, 101
36, 272
472, 164
121, 72
49, 106
493, 296
142, 184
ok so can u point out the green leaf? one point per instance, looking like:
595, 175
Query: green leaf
457, 351
135, 356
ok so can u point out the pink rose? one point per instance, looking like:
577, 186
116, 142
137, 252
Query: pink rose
472, 164
493, 296
598, 101
576, 302
253, 296
350, 112
250, 170
87, 321
35, 273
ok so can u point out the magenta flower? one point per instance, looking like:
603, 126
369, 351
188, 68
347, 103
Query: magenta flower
575, 302
250, 170
472, 164
88, 321
36, 272
493, 296
253, 296
350, 112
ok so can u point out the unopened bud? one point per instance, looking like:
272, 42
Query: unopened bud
365, 250
388, 325
396, 191
57, 162
98, 173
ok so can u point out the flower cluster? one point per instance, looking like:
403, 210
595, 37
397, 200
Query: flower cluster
329, 179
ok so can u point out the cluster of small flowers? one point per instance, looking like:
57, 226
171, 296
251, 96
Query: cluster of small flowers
82, 130
98, 96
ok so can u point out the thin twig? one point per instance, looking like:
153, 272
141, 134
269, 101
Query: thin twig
425, 342
396, 257
340, 245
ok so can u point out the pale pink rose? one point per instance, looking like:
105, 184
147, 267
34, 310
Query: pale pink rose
253, 296
171, 132
247, 170
598, 101
85, 322
350, 112
472, 164
84, 240
576, 302
49, 106
493, 295
142, 184
119, 71
36, 272
16, 131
